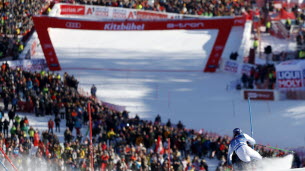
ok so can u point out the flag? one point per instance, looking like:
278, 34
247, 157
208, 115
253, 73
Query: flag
159, 146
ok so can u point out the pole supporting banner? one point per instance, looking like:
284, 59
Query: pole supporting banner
90, 134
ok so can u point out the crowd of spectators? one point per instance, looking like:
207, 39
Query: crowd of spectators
15, 22
119, 141
260, 77
193, 7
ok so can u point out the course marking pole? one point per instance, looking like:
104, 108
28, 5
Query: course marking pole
3, 166
250, 112
8, 159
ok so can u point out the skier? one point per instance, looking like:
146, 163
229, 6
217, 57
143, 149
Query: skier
239, 145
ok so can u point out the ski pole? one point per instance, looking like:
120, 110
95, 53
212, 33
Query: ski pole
275, 148
3, 166
8, 159
250, 112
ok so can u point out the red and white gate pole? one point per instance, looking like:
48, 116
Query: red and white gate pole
8, 159
90, 134
169, 153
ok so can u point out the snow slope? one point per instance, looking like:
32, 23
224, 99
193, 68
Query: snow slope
159, 72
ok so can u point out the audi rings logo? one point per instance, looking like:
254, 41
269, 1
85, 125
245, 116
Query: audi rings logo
74, 25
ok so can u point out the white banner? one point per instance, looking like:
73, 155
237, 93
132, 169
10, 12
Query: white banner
33, 64
236, 67
109, 12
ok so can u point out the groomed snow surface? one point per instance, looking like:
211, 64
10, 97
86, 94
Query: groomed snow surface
160, 72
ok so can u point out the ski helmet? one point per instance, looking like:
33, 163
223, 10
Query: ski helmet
237, 131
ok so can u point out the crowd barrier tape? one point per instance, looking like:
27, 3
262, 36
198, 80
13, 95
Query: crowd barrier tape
29, 65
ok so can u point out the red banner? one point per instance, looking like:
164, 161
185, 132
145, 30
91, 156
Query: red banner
223, 25
72, 9
259, 95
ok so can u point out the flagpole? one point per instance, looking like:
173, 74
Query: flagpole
90, 134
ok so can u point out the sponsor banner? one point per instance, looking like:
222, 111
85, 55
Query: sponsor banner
72, 9
122, 26
289, 79
103, 12
185, 25
150, 15
259, 95
236, 67
119, 13
33, 64
112, 12
240, 21
50, 55
73, 25
30, 47
231, 66
33, 48
246, 69
175, 16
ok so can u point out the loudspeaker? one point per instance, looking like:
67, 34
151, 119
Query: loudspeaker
233, 55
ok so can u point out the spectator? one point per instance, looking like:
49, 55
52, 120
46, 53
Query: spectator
78, 126
31, 134
180, 125
255, 43
158, 119
268, 26
5, 127
93, 91
1, 114
57, 124
6, 100
36, 139
11, 115
50, 126
62, 111
288, 24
